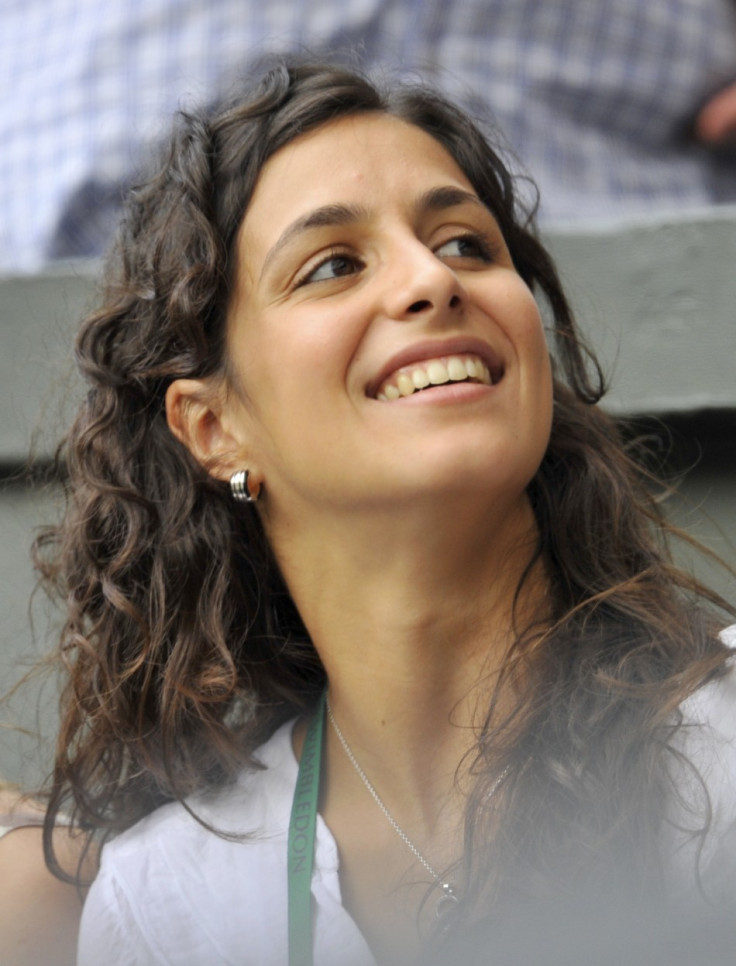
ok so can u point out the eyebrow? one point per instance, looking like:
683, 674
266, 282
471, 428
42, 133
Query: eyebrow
437, 199
328, 216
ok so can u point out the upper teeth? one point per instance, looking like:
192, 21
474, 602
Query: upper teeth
434, 372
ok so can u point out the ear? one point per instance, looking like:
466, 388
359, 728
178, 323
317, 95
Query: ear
194, 411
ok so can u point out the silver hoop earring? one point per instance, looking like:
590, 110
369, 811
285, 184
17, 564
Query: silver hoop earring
240, 489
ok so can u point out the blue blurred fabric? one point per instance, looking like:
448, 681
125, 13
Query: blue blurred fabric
596, 97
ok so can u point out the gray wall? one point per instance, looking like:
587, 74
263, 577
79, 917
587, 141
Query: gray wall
655, 297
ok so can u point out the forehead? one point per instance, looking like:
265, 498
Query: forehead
369, 159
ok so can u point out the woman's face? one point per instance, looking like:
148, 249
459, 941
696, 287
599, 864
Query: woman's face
382, 345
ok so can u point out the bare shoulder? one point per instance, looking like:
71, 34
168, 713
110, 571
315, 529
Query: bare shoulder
39, 914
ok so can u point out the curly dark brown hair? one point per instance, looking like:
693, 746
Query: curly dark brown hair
182, 647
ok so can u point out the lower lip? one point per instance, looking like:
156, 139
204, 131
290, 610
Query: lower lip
444, 395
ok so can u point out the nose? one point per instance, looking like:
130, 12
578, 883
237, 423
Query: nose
421, 285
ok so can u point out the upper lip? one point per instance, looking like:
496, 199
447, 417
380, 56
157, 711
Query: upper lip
436, 349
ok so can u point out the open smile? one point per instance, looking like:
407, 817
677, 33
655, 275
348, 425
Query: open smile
436, 362
434, 372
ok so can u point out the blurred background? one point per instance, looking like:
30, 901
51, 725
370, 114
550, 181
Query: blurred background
622, 111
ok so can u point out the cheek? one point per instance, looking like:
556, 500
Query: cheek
533, 353
521, 320
290, 371
317, 346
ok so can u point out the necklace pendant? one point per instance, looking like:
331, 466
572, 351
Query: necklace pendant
447, 901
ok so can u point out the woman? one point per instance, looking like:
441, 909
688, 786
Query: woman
324, 447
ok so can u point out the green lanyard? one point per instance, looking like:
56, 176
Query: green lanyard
301, 841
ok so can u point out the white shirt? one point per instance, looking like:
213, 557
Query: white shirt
171, 892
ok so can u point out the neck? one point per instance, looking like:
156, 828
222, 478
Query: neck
412, 615
412, 620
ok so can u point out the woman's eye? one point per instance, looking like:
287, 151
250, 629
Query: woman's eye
334, 266
466, 246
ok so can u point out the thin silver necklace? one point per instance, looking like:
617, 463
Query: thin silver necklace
449, 895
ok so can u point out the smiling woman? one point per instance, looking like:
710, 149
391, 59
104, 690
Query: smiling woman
374, 643
365, 261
